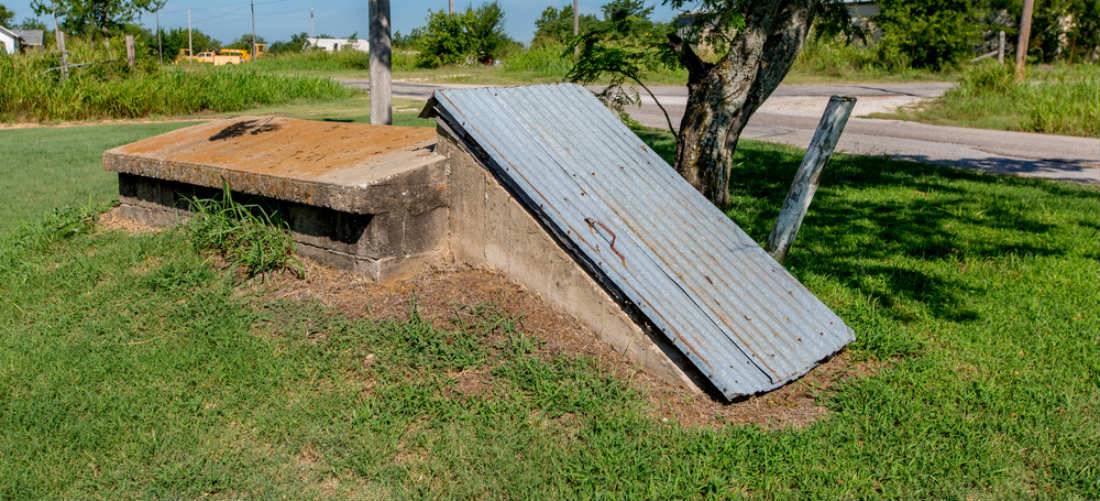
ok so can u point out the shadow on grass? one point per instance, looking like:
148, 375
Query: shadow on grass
887, 228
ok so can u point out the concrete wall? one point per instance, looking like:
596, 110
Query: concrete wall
490, 229
392, 244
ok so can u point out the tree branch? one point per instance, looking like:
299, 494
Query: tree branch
694, 64
668, 119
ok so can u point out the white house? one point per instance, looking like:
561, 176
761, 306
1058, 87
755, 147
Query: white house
30, 39
338, 44
9, 40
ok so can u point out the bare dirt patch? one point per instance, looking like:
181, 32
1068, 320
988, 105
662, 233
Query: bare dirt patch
104, 121
451, 298
114, 220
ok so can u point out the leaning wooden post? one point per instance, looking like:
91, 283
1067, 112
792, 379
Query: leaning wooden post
381, 106
808, 175
130, 51
60, 36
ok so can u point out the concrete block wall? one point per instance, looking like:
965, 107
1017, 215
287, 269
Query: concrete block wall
400, 242
490, 229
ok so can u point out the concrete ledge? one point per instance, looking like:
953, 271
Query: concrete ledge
351, 168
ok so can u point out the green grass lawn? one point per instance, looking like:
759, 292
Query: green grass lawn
130, 367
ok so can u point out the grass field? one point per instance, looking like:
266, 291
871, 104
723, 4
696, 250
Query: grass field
131, 367
1055, 100
104, 87
818, 62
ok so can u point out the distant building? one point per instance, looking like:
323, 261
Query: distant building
10, 41
31, 39
338, 44
862, 9
15, 41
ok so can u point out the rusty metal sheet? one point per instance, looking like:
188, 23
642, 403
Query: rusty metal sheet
653, 241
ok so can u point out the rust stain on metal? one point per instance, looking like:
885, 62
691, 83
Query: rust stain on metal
592, 223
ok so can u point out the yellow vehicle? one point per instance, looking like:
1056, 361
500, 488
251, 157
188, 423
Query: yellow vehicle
207, 57
244, 54
221, 57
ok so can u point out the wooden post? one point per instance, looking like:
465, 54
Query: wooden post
808, 175
1024, 40
381, 106
1001, 47
130, 51
60, 36
451, 8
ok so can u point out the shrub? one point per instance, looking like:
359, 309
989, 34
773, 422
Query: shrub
476, 35
930, 34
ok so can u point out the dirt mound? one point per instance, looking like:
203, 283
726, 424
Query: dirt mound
444, 297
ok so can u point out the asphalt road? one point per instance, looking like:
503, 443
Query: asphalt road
791, 116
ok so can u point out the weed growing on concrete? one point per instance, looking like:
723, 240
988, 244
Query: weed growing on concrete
246, 235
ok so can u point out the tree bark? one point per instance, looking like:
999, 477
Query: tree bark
723, 95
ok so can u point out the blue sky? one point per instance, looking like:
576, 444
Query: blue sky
278, 19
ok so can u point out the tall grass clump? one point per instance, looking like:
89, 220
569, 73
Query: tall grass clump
544, 60
1062, 99
316, 60
246, 235
32, 89
837, 58
319, 61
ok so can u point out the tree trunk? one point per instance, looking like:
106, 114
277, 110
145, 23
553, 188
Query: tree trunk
724, 94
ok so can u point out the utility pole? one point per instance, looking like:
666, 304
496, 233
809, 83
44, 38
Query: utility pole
190, 47
252, 7
1024, 40
381, 106
576, 18
160, 44
312, 28
451, 10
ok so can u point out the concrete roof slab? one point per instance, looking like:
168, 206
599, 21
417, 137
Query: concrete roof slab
354, 168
